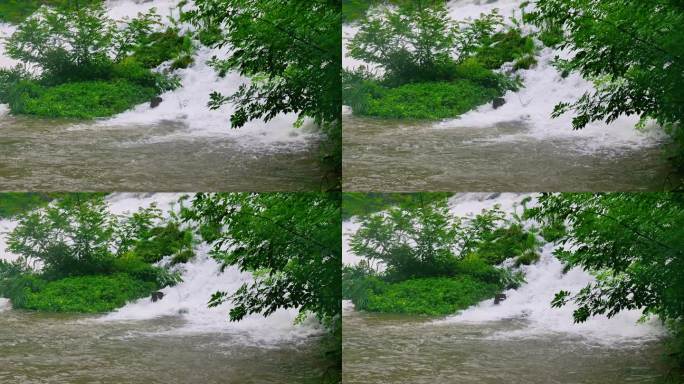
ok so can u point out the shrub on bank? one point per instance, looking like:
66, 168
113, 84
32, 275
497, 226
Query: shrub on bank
91, 260
433, 67
429, 296
431, 101
80, 100
504, 47
102, 69
16, 11
86, 294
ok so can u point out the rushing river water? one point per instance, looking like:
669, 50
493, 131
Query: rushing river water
48, 348
391, 155
516, 147
179, 145
400, 349
177, 339
165, 156
522, 340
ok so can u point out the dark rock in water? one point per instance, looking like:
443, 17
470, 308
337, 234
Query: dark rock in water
498, 102
499, 298
491, 1
156, 296
155, 102
183, 311
493, 196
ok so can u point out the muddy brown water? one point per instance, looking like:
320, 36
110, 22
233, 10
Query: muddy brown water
391, 155
384, 349
55, 349
45, 155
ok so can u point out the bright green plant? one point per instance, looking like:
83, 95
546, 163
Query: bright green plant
289, 241
15, 203
80, 100
429, 296
430, 101
87, 294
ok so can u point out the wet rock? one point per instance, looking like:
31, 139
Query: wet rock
156, 296
499, 298
183, 311
498, 102
154, 103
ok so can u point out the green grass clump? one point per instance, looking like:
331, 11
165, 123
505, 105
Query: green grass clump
529, 256
80, 100
505, 243
14, 203
429, 296
168, 240
505, 47
430, 101
360, 203
449, 91
86, 294
525, 62
164, 46
16, 11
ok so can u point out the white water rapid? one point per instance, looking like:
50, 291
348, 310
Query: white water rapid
188, 300
531, 303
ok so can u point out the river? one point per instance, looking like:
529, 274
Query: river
70, 349
179, 145
177, 339
401, 349
391, 155
521, 340
516, 147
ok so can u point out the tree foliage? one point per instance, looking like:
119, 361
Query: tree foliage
77, 235
632, 242
292, 52
410, 38
421, 238
289, 241
631, 49
291, 48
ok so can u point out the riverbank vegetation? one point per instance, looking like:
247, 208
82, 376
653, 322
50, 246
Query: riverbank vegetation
76, 62
75, 256
421, 259
16, 11
363, 204
15, 203
634, 244
431, 67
